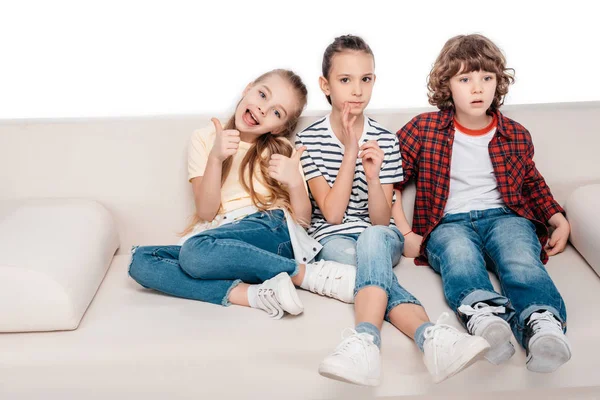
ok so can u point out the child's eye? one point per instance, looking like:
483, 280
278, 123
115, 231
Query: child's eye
463, 79
277, 114
262, 94
367, 79
344, 80
488, 78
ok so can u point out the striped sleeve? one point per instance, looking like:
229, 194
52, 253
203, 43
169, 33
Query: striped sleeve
309, 167
391, 168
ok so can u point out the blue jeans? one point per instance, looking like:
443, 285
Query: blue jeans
463, 245
209, 265
374, 252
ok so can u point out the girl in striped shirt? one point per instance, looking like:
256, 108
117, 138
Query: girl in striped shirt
351, 164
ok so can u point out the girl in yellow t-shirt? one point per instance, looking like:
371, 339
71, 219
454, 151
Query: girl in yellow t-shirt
245, 245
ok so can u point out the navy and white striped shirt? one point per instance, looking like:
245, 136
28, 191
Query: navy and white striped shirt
323, 157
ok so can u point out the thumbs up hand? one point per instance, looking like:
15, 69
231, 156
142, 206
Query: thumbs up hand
226, 142
286, 170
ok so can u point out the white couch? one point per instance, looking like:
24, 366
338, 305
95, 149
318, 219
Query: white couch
135, 343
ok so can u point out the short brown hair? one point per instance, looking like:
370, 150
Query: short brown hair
462, 54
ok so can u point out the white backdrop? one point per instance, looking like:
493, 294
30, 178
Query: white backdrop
118, 58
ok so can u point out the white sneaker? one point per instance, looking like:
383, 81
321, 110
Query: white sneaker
355, 360
448, 351
277, 296
547, 346
331, 279
484, 322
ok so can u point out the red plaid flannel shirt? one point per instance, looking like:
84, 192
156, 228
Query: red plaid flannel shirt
426, 147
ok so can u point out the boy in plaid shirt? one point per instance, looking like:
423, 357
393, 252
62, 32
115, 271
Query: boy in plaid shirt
481, 203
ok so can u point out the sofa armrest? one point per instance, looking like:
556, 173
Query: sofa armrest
54, 254
583, 214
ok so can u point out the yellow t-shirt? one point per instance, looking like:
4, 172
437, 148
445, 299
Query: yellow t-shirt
233, 195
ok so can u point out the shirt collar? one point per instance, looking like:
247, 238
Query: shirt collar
447, 117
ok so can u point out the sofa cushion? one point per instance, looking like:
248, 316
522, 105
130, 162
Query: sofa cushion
54, 254
584, 216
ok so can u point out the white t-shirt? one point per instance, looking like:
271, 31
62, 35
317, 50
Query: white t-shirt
473, 185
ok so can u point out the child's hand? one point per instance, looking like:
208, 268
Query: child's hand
558, 240
287, 170
348, 137
226, 142
412, 245
372, 158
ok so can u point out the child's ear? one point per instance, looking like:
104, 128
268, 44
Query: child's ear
324, 85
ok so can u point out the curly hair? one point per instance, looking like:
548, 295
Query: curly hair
463, 54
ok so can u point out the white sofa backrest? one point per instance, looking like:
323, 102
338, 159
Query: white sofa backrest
137, 167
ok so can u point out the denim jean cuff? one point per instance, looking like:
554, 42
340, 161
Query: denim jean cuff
133, 249
295, 271
225, 302
479, 295
371, 284
393, 305
527, 311
474, 296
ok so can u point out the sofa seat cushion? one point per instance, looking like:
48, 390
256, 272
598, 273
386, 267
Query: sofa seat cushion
54, 254
583, 214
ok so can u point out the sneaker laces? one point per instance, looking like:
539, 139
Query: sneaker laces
539, 320
325, 280
439, 329
478, 313
350, 337
267, 300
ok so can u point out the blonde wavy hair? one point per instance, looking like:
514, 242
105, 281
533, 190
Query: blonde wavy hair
463, 54
256, 160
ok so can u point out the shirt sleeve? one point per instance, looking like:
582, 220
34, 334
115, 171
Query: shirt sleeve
199, 148
391, 168
301, 168
309, 167
536, 191
408, 139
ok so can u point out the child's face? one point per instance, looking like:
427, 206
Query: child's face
266, 106
351, 80
473, 93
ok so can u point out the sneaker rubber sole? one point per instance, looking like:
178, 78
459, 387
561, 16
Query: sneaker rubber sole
343, 375
287, 294
473, 353
548, 352
498, 335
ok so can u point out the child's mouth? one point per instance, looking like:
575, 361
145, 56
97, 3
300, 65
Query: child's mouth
250, 119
